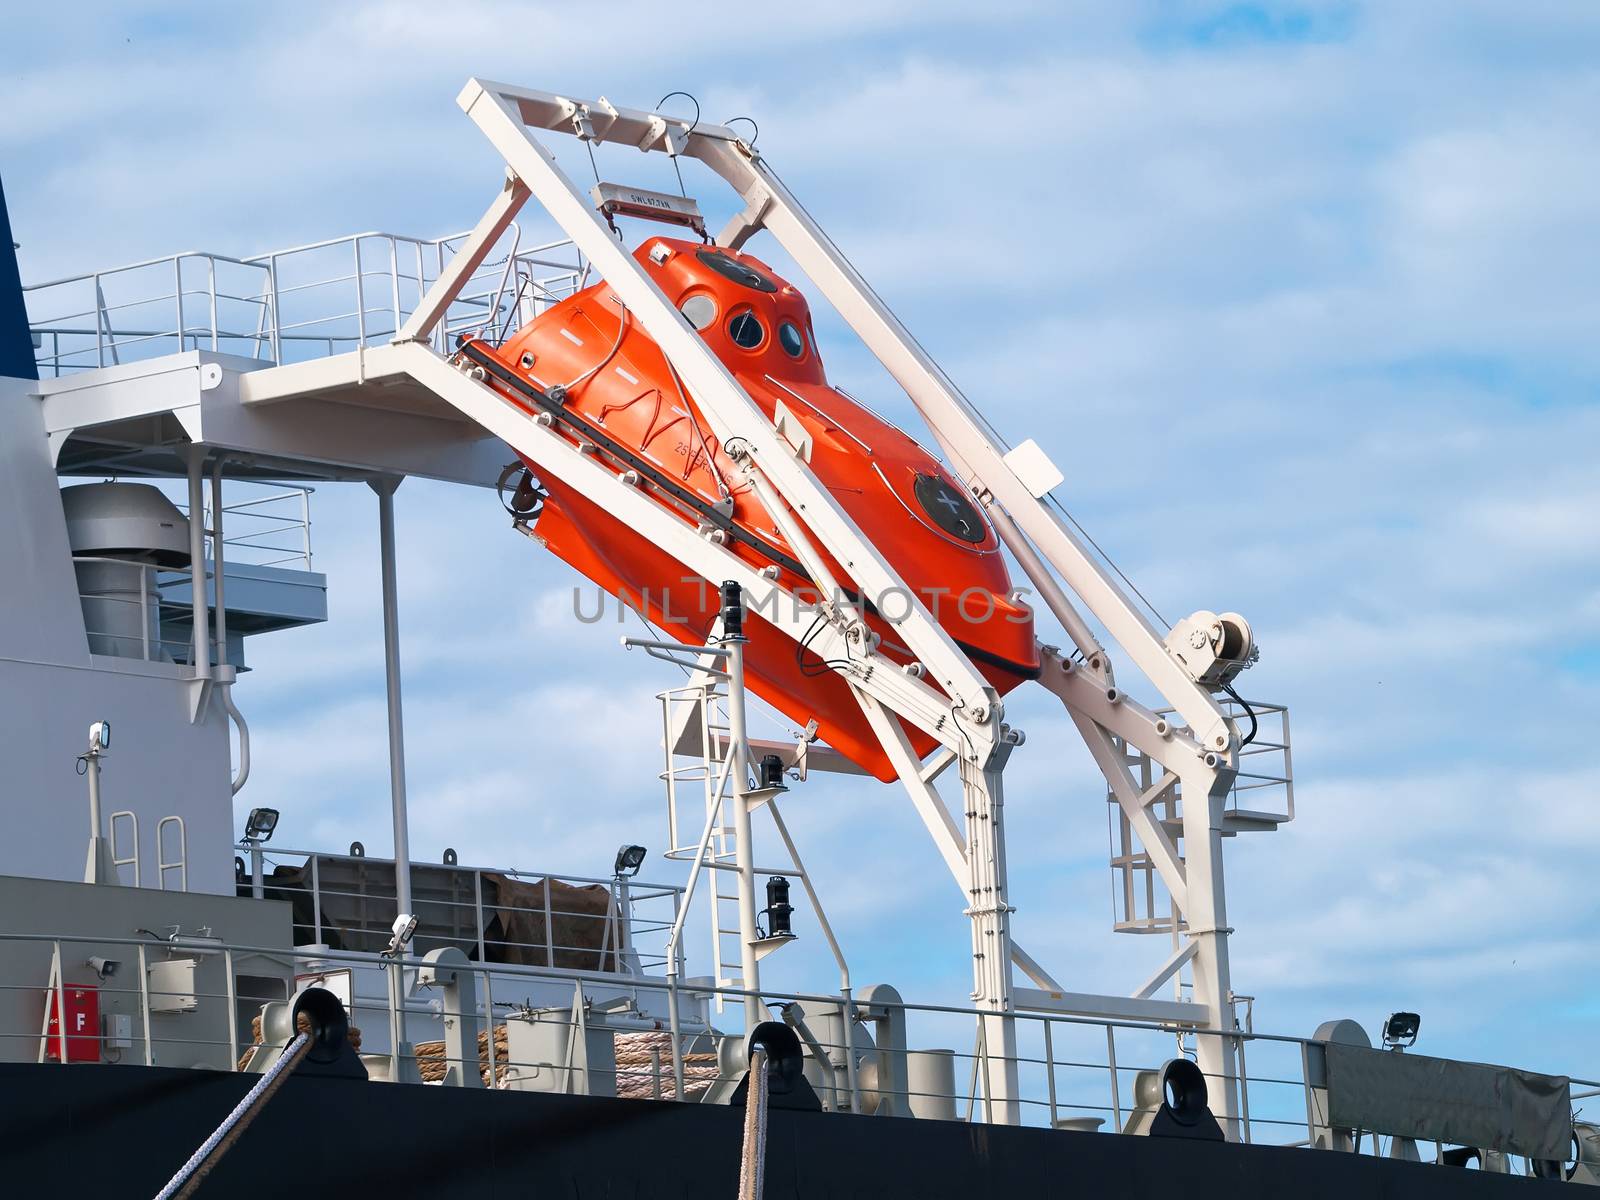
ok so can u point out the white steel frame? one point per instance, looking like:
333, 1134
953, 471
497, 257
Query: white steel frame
963, 714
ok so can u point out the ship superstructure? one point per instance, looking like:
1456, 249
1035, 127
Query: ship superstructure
601, 388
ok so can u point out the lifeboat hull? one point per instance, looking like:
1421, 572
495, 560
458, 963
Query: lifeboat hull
607, 384
644, 576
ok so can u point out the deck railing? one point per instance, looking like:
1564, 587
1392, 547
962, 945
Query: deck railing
1075, 1072
289, 305
270, 527
459, 904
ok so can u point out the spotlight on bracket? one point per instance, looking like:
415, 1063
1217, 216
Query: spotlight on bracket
258, 826
1400, 1030
404, 927
629, 860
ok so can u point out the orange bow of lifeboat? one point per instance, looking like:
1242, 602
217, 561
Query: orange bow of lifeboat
618, 394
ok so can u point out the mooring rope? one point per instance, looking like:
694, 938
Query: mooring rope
753, 1162
233, 1125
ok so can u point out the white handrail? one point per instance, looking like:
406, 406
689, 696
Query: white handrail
242, 774
133, 859
179, 864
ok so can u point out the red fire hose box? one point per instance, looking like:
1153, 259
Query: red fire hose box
82, 1003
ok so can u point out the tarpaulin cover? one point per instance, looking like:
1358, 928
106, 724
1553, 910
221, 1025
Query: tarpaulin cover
581, 923
1457, 1103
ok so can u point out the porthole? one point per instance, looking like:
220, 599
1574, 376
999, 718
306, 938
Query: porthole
791, 339
699, 310
746, 330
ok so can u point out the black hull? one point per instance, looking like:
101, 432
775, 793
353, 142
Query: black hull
121, 1131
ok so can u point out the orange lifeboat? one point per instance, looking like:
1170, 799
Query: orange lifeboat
608, 384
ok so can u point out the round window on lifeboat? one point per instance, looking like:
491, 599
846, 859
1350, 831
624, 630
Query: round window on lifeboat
791, 339
699, 310
746, 330
950, 508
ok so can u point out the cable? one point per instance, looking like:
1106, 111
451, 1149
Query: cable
516, 302
595, 167
1248, 711
689, 96
977, 414
804, 644
753, 125
1108, 559
622, 328
827, 664
955, 722
692, 126
705, 445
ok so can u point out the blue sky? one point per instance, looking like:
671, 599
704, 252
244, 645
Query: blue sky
1301, 297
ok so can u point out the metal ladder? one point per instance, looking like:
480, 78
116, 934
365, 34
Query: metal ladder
1266, 773
696, 742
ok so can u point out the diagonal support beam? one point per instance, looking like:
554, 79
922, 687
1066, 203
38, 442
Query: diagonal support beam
941, 826
420, 324
1167, 970
1159, 788
1150, 832
936, 766
947, 836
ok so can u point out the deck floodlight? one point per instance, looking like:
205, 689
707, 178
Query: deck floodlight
99, 737
405, 925
1400, 1030
629, 860
258, 826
